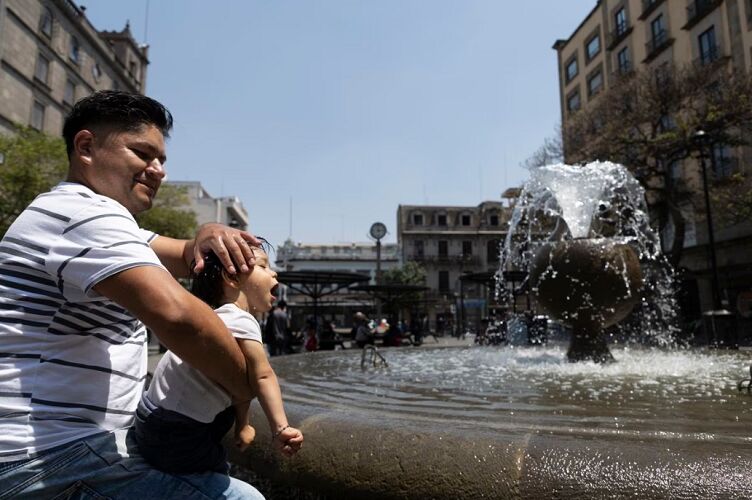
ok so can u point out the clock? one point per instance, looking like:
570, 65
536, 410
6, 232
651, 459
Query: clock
378, 230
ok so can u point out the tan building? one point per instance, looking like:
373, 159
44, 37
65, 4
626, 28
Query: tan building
449, 242
621, 36
227, 210
51, 56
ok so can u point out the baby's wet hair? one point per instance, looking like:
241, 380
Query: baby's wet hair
207, 285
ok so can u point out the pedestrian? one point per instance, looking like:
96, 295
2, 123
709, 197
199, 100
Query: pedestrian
183, 416
281, 327
79, 281
363, 334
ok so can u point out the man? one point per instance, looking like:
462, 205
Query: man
78, 282
281, 329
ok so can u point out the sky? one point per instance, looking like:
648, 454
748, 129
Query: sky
323, 116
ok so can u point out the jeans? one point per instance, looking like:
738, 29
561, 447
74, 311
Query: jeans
94, 469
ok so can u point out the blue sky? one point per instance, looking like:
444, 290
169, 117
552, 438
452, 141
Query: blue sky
350, 107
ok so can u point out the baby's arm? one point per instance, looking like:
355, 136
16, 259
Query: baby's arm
264, 384
244, 433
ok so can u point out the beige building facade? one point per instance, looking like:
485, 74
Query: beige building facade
451, 242
228, 210
51, 56
618, 37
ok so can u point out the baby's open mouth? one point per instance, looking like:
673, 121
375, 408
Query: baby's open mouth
274, 291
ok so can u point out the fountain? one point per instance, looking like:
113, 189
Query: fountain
581, 234
508, 422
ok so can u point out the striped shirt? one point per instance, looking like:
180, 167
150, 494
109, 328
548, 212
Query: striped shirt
72, 362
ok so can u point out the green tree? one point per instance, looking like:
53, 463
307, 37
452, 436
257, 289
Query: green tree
32, 162
169, 215
411, 273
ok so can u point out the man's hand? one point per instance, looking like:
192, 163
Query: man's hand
244, 436
289, 441
227, 243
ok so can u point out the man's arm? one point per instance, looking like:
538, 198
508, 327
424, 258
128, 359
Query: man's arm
183, 323
228, 243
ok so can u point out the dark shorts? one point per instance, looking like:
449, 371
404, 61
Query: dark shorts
174, 443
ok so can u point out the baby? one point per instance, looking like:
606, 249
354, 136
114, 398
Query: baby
183, 416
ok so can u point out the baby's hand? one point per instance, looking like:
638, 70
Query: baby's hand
289, 441
244, 437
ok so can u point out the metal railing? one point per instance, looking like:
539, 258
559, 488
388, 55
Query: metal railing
659, 41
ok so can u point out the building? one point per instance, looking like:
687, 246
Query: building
358, 258
449, 242
51, 56
619, 37
227, 210
346, 257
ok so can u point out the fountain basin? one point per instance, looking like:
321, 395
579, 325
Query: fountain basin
514, 423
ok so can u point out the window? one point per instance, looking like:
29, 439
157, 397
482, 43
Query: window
666, 124
492, 251
708, 48
69, 95
595, 83
622, 60
96, 72
722, 161
572, 69
37, 115
45, 22
593, 47
657, 30
620, 21
465, 219
441, 219
467, 248
493, 220
675, 170
443, 248
133, 69
42, 69
443, 281
418, 219
75, 50
573, 101
418, 246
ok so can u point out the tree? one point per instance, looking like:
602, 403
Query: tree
411, 273
647, 121
549, 153
168, 215
32, 162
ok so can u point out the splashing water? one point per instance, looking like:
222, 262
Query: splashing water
597, 200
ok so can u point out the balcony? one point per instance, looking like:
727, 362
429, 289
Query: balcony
468, 260
617, 35
698, 9
709, 56
622, 71
648, 6
655, 46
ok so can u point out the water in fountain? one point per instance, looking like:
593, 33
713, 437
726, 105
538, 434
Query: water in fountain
597, 200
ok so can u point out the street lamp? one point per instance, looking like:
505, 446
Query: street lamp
703, 142
719, 323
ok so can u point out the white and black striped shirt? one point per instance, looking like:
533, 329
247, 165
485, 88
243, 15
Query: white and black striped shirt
72, 363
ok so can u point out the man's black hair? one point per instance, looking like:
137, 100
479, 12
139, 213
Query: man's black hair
207, 285
122, 110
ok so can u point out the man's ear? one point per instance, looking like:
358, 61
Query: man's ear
230, 279
83, 144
